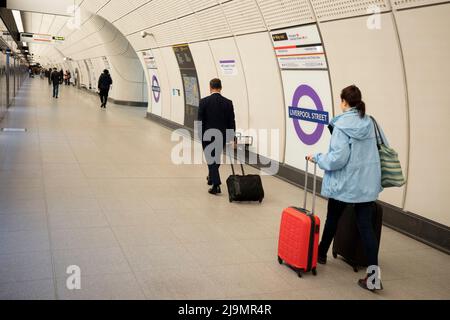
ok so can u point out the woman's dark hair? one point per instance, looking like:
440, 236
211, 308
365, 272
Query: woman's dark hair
353, 96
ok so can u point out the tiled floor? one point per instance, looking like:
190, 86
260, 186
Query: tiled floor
97, 189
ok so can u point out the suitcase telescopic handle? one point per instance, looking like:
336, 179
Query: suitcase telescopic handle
232, 166
314, 186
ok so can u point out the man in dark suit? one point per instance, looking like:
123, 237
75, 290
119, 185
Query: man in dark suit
56, 79
216, 114
104, 84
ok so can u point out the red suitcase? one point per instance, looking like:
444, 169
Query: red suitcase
299, 235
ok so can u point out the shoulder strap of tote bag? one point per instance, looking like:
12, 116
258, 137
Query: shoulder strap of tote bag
378, 135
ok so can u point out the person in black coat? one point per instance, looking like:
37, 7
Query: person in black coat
61, 76
56, 80
49, 76
216, 114
104, 84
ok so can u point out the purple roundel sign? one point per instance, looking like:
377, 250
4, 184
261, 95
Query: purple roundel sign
156, 89
318, 116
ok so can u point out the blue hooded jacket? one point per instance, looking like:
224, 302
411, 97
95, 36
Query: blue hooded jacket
352, 164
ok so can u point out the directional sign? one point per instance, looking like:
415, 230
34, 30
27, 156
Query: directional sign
40, 38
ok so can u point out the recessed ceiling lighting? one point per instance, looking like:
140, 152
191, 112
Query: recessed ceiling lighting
18, 19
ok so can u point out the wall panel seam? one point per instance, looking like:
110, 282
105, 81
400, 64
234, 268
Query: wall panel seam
407, 100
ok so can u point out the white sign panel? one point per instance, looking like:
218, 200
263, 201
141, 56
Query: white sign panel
153, 81
149, 59
228, 67
93, 76
308, 112
106, 63
40, 38
299, 48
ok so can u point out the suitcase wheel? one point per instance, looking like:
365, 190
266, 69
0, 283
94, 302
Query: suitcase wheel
299, 273
280, 261
335, 255
231, 200
260, 200
355, 269
314, 272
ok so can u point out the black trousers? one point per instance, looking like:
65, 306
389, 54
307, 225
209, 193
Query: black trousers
55, 90
104, 96
213, 158
364, 221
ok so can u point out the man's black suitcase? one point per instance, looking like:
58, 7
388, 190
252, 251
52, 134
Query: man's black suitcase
245, 187
347, 241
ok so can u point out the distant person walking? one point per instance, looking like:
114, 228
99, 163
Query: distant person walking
61, 76
67, 78
104, 84
56, 80
49, 76
216, 113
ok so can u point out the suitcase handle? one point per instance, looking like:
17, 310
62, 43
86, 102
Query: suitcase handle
314, 186
232, 168
248, 140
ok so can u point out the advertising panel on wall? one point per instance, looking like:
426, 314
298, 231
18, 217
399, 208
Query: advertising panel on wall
299, 48
92, 75
190, 83
228, 67
81, 80
106, 63
307, 91
153, 77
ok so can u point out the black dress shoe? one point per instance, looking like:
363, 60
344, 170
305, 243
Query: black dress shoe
215, 190
322, 259
363, 284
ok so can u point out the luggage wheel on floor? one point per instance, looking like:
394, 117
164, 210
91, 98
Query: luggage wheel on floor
260, 200
355, 268
298, 271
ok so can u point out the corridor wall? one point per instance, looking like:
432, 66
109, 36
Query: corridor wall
97, 38
372, 60
424, 35
3, 86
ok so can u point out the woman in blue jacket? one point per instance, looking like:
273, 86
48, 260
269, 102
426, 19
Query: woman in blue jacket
352, 174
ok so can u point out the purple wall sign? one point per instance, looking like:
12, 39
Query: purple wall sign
307, 91
156, 89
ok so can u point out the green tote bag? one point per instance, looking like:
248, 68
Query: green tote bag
391, 169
